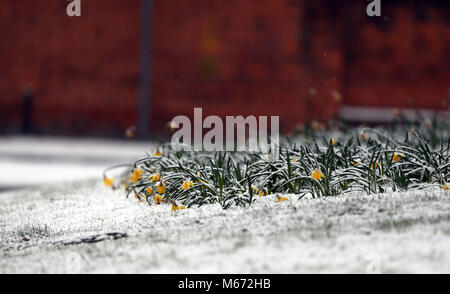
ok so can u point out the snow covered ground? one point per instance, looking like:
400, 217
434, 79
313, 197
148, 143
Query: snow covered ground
28, 161
386, 233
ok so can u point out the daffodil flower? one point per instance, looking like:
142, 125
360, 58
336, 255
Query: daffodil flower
149, 191
176, 207
281, 199
136, 175
161, 188
446, 187
362, 136
333, 141
317, 175
158, 199
255, 189
294, 159
155, 177
264, 192
109, 182
187, 184
397, 157
157, 153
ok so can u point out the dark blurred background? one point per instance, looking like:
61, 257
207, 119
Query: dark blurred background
139, 63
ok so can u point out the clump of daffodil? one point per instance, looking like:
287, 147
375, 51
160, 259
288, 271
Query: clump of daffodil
281, 198
109, 182
317, 175
155, 177
446, 187
161, 187
136, 175
176, 207
187, 184
158, 199
397, 157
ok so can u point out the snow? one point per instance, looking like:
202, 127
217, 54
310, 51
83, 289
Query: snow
386, 233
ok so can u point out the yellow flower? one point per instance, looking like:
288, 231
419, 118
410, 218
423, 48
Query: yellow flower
155, 177
255, 189
356, 163
446, 187
176, 207
158, 199
397, 157
108, 182
317, 175
375, 165
333, 141
294, 159
187, 184
136, 175
264, 192
161, 189
149, 191
157, 153
281, 199
362, 136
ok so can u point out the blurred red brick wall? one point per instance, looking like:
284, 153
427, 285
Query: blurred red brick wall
272, 57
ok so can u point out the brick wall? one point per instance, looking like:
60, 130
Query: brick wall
267, 57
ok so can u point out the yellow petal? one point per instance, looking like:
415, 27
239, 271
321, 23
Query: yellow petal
158, 199
281, 199
317, 175
161, 189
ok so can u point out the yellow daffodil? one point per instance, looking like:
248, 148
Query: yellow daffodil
158, 199
356, 163
362, 136
281, 199
397, 157
109, 182
176, 207
255, 189
157, 153
333, 141
294, 159
317, 175
136, 175
375, 165
446, 187
155, 177
161, 189
149, 191
264, 192
187, 184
